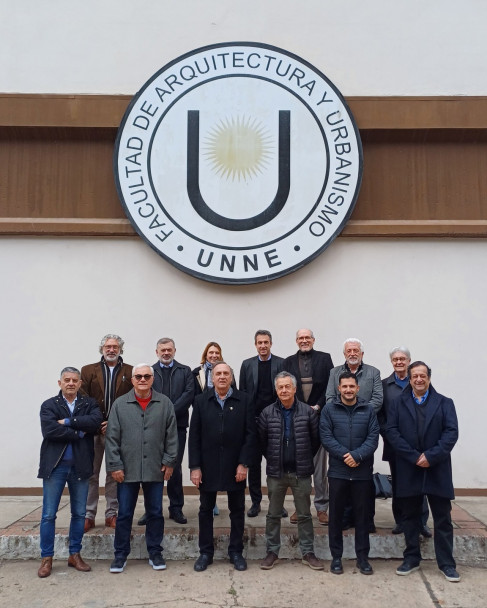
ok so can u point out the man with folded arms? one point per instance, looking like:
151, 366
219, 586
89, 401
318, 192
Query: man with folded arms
141, 450
68, 422
289, 439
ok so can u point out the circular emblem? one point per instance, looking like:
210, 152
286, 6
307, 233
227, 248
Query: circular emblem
238, 163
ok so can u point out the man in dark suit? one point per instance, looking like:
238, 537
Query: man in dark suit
105, 381
393, 386
422, 428
175, 381
222, 438
257, 380
311, 368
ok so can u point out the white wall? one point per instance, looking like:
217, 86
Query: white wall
373, 47
61, 296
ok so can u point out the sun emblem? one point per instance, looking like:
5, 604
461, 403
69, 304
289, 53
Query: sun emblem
238, 148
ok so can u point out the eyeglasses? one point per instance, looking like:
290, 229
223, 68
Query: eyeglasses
139, 377
398, 359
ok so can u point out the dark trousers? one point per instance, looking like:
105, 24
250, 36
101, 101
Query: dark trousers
175, 484
128, 493
357, 493
255, 480
236, 506
411, 509
396, 511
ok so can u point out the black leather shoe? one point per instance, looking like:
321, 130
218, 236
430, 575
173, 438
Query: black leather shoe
143, 520
238, 561
397, 529
364, 566
284, 513
425, 531
178, 517
254, 510
202, 562
336, 566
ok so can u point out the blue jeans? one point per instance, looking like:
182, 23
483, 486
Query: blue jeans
127, 493
51, 496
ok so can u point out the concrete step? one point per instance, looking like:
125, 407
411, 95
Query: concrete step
20, 517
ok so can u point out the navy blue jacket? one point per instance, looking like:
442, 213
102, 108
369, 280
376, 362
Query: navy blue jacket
391, 391
181, 389
351, 429
87, 417
439, 436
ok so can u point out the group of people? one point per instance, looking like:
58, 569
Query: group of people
307, 417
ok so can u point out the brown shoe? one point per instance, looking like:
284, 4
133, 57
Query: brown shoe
270, 560
76, 561
111, 522
294, 518
89, 523
312, 561
46, 567
322, 517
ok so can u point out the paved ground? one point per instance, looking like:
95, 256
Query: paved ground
288, 585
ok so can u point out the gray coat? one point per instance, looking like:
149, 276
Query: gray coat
368, 379
139, 442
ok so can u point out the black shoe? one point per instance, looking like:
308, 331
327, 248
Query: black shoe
143, 520
254, 510
397, 529
336, 566
202, 562
284, 513
157, 562
451, 574
178, 517
364, 566
406, 568
118, 564
238, 561
425, 531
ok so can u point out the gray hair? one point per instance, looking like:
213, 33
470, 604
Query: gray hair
165, 341
111, 337
305, 329
400, 349
221, 363
263, 332
69, 370
139, 365
285, 375
354, 341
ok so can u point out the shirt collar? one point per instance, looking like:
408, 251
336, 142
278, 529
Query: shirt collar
168, 366
221, 400
260, 358
422, 399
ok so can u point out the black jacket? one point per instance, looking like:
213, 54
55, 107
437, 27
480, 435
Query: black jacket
249, 376
321, 365
87, 417
220, 440
351, 429
181, 389
270, 428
